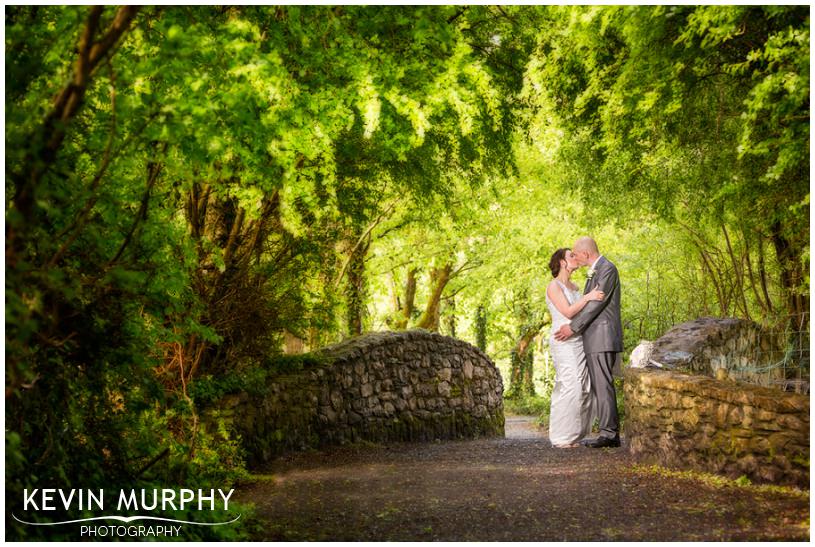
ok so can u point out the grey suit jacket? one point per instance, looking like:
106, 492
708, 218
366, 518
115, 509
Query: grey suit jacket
599, 321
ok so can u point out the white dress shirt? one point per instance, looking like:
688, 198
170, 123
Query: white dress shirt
593, 264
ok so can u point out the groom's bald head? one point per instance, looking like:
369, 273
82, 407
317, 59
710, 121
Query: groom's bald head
587, 244
586, 250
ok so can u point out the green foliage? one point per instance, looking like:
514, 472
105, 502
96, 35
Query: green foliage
532, 405
743, 481
209, 389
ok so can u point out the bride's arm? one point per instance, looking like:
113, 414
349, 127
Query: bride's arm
570, 310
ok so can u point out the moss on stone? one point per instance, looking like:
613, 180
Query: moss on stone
313, 399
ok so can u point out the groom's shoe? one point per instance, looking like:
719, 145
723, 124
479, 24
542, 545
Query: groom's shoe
604, 442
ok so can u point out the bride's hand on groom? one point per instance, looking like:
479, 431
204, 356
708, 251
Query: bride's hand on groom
563, 333
596, 294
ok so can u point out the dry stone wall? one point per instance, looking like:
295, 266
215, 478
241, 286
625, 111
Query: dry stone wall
722, 348
681, 418
388, 386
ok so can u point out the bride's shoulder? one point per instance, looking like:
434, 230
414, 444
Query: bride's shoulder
554, 285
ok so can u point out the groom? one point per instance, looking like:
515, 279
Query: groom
599, 323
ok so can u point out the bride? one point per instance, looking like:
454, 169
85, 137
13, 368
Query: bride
570, 416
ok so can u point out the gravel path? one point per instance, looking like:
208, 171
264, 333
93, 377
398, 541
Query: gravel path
512, 489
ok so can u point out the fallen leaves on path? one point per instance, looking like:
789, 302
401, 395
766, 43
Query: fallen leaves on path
512, 489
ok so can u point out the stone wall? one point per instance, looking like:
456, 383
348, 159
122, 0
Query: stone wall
389, 386
723, 348
677, 417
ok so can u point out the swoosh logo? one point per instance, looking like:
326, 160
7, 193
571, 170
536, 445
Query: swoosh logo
126, 519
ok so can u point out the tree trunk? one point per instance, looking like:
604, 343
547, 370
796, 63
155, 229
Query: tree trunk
439, 277
751, 275
792, 277
451, 319
741, 296
407, 308
528, 385
481, 328
396, 301
354, 296
355, 288
521, 380
233, 294
762, 273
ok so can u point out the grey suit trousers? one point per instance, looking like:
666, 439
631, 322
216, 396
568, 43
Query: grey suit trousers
600, 366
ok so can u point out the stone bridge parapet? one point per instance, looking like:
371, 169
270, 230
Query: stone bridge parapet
699, 412
380, 387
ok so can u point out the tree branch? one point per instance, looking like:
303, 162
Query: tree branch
456, 15
365, 234
49, 136
153, 170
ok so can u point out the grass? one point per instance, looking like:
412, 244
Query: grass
529, 405
718, 481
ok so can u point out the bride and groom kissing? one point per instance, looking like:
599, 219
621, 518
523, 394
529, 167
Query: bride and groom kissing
586, 341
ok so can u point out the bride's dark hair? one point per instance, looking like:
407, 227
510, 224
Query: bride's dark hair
554, 262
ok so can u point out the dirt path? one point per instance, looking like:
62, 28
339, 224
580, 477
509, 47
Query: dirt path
514, 489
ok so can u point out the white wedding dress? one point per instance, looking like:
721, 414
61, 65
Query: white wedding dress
570, 417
